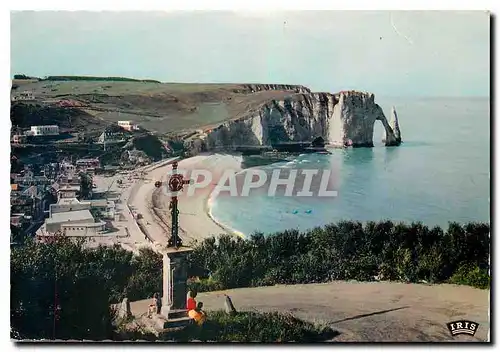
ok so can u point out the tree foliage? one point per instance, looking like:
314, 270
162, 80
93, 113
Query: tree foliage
95, 78
252, 327
58, 291
347, 250
64, 290
23, 76
85, 185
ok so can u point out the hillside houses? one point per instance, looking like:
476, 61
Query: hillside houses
52, 202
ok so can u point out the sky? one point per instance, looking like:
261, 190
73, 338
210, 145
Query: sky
401, 53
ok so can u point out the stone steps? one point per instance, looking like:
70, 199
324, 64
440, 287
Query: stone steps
175, 314
175, 323
158, 323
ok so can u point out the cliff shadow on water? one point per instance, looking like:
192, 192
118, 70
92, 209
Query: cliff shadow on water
390, 155
354, 170
357, 156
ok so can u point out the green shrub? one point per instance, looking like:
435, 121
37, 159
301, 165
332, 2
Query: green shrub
343, 251
94, 78
84, 280
205, 285
59, 291
471, 275
89, 280
252, 327
430, 266
146, 276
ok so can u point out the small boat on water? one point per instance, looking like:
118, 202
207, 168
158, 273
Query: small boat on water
316, 150
265, 158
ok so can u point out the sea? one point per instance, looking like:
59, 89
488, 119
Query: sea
439, 174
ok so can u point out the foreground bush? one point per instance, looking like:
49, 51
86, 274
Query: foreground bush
252, 327
64, 290
241, 327
347, 250
472, 276
59, 291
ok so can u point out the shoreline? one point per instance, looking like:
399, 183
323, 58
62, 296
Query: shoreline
208, 208
199, 205
209, 205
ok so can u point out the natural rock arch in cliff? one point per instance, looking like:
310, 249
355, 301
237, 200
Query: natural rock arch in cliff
394, 126
353, 119
343, 119
390, 137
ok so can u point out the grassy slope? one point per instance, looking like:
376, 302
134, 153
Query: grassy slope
161, 107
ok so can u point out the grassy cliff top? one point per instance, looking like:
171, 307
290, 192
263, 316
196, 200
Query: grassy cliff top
159, 107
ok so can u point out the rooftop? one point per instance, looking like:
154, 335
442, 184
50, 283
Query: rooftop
86, 224
98, 202
88, 160
77, 215
33, 191
68, 201
69, 188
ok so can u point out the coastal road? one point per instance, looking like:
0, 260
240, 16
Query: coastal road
141, 199
128, 234
194, 221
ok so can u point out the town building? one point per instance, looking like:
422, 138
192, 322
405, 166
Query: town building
29, 201
128, 125
19, 223
105, 208
49, 130
28, 179
32, 197
111, 134
51, 171
74, 218
67, 204
28, 206
68, 191
67, 167
19, 220
73, 223
85, 164
67, 173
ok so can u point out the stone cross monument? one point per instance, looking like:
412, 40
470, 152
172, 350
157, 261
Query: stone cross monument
175, 185
173, 310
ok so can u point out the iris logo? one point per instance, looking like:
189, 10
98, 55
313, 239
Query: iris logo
462, 327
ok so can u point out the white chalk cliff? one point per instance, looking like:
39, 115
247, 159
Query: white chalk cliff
394, 123
343, 119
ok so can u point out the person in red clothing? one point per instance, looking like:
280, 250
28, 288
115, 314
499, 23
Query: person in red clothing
191, 302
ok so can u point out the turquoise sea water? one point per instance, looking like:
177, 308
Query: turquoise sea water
439, 174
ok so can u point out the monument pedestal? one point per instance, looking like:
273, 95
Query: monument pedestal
173, 309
